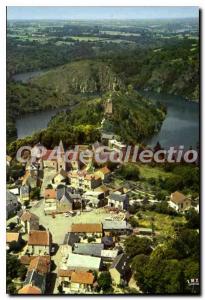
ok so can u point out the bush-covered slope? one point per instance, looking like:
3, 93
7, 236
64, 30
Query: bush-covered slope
80, 77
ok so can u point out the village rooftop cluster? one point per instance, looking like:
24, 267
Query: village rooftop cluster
68, 221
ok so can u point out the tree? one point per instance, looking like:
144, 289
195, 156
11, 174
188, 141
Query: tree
12, 225
104, 281
129, 172
135, 245
193, 219
14, 269
35, 193
22, 272
155, 275
161, 195
26, 203
133, 221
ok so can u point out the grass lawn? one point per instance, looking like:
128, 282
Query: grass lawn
162, 223
147, 171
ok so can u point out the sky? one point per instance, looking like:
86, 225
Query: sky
92, 13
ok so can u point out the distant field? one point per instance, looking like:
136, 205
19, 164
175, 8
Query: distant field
120, 33
87, 38
59, 43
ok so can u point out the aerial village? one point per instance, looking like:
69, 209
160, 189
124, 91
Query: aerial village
72, 232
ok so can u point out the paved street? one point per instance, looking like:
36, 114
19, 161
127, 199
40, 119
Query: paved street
59, 225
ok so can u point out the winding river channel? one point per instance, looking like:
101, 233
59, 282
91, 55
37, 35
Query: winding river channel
180, 127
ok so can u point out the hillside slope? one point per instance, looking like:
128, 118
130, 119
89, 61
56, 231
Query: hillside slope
80, 77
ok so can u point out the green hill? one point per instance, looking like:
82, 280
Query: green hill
80, 77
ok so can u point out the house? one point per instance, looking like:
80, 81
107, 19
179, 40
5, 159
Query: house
108, 241
31, 179
106, 137
70, 239
64, 201
119, 270
50, 204
41, 264
34, 283
39, 242
12, 204
61, 176
84, 180
112, 228
179, 202
24, 193
87, 229
14, 191
28, 221
94, 198
49, 160
102, 190
118, 200
12, 237
82, 282
30, 289
103, 173
88, 249
115, 145
76, 281
55, 159
26, 259
64, 279
79, 262
92, 181
49, 194
109, 255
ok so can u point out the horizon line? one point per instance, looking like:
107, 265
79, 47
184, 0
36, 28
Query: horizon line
99, 19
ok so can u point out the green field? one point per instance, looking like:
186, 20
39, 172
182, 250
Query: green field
163, 224
147, 171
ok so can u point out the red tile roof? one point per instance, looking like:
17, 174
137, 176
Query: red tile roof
41, 264
64, 273
27, 216
178, 197
26, 259
82, 277
86, 228
30, 290
12, 237
50, 194
40, 238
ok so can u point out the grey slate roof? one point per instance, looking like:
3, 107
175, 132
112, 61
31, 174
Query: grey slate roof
71, 238
36, 279
118, 197
88, 249
107, 241
12, 203
10, 197
24, 190
67, 193
120, 264
107, 136
115, 225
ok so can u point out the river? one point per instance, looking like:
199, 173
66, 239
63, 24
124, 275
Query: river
180, 127
32, 122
